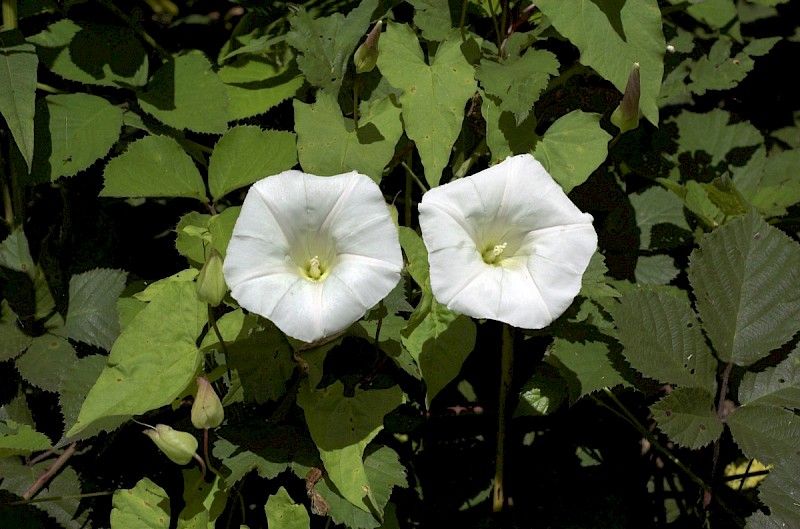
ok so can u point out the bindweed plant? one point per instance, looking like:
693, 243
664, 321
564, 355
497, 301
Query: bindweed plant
399, 264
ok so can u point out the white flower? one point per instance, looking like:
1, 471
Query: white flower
313, 253
506, 244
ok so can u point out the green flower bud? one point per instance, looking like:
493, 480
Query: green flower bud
626, 116
178, 446
211, 287
367, 54
207, 411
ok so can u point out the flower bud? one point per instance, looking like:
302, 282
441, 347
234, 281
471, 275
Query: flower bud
367, 54
626, 116
178, 446
211, 287
207, 411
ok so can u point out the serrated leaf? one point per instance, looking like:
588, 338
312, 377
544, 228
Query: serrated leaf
12, 340
262, 380
655, 270
327, 143
326, 44
585, 366
20, 439
185, 93
45, 361
73, 131
504, 136
781, 493
93, 317
432, 17
342, 427
594, 283
433, 96
16, 254
154, 166
662, 339
247, 154
766, 433
775, 386
712, 133
92, 53
746, 277
18, 64
688, 417
152, 361
719, 70
655, 206
612, 39
255, 86
572, 148
440, 344
283, 512
518, 82
145, 506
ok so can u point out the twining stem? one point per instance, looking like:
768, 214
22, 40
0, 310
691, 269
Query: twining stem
44, 478
59, 498
212, 320
205, 453
9, 14
506, 375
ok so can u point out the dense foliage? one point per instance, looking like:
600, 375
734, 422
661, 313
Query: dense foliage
666, 395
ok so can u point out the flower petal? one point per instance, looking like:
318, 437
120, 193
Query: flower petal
292, 217
547, 243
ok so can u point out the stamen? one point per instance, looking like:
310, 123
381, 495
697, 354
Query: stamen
491, 256
314, 271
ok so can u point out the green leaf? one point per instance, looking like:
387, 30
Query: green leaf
204, 502
12, 340
154, 166
327, 143
711, 133
45, 362
80, 129
433, 96
655, 206
152, 361
594, 283
262, 380
781, 493
440, 344
239, 462
720, 70
662, 339
611, 37
655, 270
585, 366
416, 255
766, 433
93, 54
770, 184
518, 82
342, 427
145, 506
185, 93
504, 136
284, 513
432, 17
745, 276
255, 86
688, 417
93, 317
16, 254
326, 44
775, 386
698, 201
247, 154
572, 148
18, 78
715, 13
155, 289
20, 439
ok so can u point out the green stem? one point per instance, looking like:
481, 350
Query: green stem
414, 176
506, 376
355, 102
463, 20
9, 14
212, 320
496, 28
205, 454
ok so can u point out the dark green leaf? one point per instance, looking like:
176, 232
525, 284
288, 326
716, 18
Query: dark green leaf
775, 386
255, 86
18, 63
93, 317
586, 367
46, 361
781, 493
688, 417
766, 433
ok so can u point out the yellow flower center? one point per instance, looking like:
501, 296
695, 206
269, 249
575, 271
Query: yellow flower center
314, 271
492, 255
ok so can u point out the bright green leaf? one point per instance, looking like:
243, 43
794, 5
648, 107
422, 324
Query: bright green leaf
255, 86
20, 439
612, 39
18, 63
572, 148
342, 427
504, 136
154, 166
662, 339
327, 143
247, 154
45, 361
152, 361
145, 506
688, 417
766, 433
746, 276
433, 96
711, 133
93, 317
586, 367
284, 513
775, 386
155, 288
185, 93
432, 17
204, 502
416, 255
